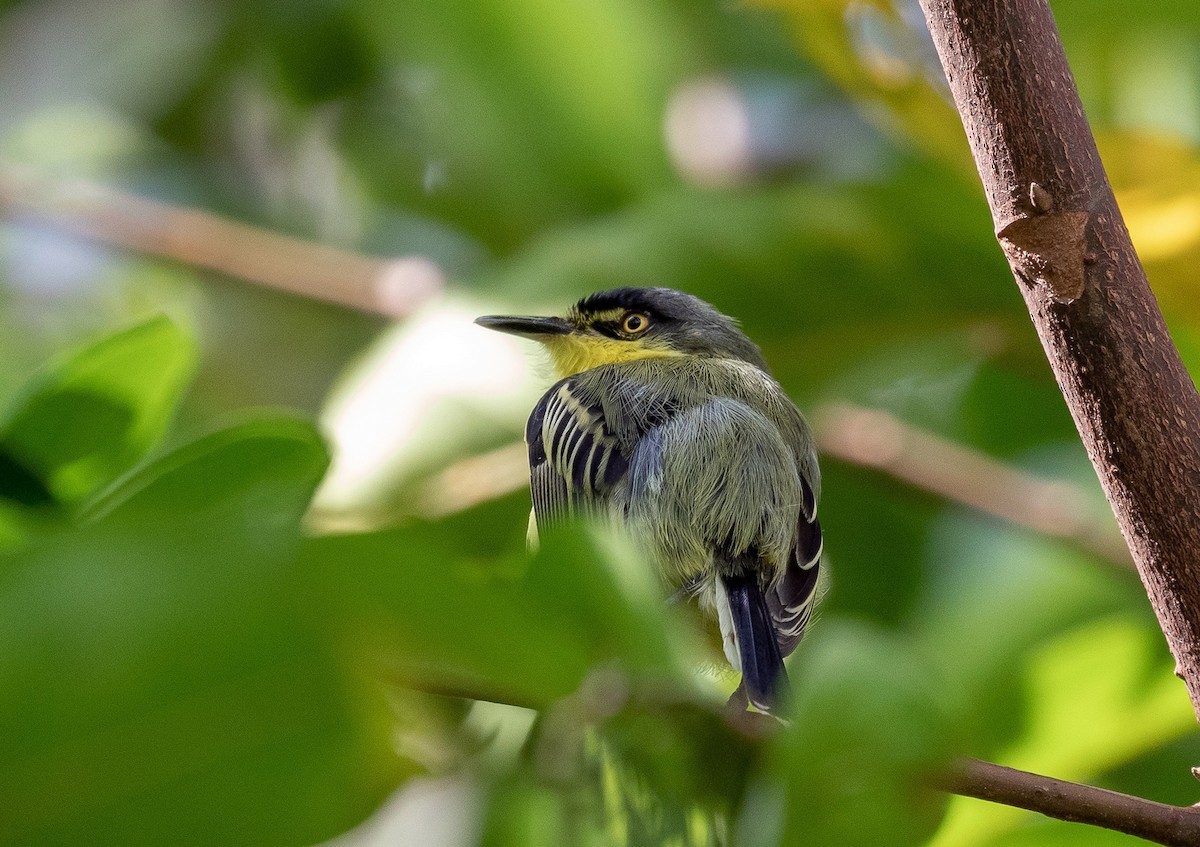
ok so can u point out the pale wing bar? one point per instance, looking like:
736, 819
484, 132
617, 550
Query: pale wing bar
794, 596
574, 458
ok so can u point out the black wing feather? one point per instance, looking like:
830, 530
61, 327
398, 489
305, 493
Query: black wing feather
793, 597
574, 458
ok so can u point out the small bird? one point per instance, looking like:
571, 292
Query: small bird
666, 416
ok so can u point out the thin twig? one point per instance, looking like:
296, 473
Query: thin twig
1177, 826
876, 439
391, 287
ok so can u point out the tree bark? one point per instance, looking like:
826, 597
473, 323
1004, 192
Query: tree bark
1057, 221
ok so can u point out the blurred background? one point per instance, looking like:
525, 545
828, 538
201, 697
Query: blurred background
225, 623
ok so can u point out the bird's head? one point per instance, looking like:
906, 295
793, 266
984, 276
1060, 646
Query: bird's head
627, 324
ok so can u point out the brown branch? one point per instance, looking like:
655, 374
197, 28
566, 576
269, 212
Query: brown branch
875, 439
391, 287
1178, 826
1133, 402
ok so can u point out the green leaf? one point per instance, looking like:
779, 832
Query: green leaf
1096, 698
257, 475
160, 688
437, 621
878, 255
599, 586
536, 111
159, 682
682, 756
869, 728
20, 485
90, 416
527, 813
1018, 588
443, 618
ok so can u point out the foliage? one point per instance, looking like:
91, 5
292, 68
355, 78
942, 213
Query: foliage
183, 659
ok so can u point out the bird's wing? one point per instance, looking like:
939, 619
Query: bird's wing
574, 458
794, 596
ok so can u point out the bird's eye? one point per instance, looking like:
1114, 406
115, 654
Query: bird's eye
635, 323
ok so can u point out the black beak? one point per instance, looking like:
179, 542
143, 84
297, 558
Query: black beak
527, 326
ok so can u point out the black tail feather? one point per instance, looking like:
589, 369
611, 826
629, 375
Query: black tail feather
763, 674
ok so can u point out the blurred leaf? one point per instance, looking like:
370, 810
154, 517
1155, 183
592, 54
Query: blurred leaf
790, 261
158, 689
430, 619
256, 477
870, 725
485, 625
20, 485
1156, 181
656, 772
993, 593
883, 588
1012, 408
318, 48
881, 54
518, 115
681, 756
1097, 697
1163, 773
1100, 695
90, 416
12, 527
158, 683
522, 812
600, 585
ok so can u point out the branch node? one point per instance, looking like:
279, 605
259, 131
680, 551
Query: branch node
1048, 247
1040, 199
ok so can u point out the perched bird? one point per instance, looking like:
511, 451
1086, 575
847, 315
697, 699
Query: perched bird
666, 416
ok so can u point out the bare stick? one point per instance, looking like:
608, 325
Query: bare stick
875, 439
392, 287
1133, 402
1178, 826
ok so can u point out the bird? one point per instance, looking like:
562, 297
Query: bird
665, 417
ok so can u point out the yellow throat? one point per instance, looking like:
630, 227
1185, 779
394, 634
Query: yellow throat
572, 354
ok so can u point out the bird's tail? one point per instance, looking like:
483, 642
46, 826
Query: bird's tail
763, 675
